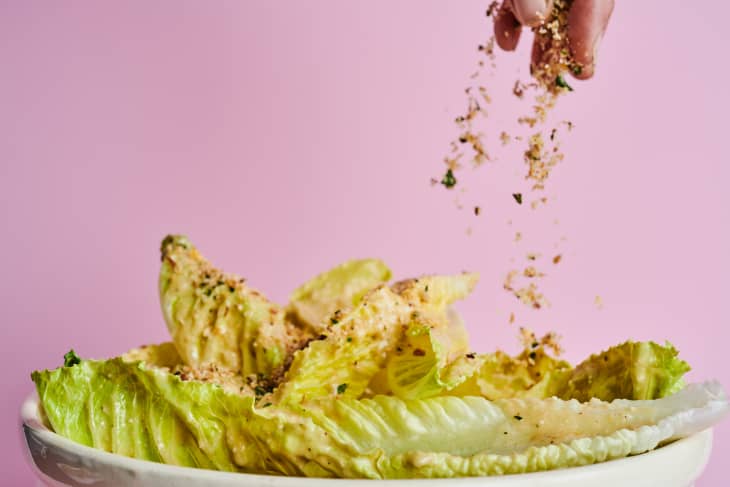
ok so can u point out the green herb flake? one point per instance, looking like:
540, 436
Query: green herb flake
259, 391
517, 197
349, 339
518, 417
266, 405
70, 359
341, 388
561, 83
449, 181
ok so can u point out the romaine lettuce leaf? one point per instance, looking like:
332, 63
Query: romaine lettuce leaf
437, 293
452, 436
433, 297
433, 353
343, 361
159, 355
632, 370
121, 407
420, 366
533, 373
215, 318
148, 413
350, 358
314, 303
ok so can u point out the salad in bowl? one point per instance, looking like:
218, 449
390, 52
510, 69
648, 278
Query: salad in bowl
358, 377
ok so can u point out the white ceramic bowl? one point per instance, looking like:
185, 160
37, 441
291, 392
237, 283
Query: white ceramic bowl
61, 462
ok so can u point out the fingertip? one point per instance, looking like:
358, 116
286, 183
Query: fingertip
584, 73
531, 12
507, 29
587, 22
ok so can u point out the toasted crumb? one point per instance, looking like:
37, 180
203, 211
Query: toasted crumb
552, 40
475, 140
531, 271
212, 373
492, 8
530, 296
543, 149
452, 163
504, 138
550, 340
509, 280
527, 336
535, 203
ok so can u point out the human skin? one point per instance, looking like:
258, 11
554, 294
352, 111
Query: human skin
587, 22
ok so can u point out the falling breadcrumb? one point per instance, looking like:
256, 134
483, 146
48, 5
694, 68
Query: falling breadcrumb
505, 138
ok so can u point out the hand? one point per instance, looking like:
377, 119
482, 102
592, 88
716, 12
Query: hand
587, 21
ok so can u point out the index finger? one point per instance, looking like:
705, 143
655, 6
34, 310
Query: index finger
587, 22
507, 29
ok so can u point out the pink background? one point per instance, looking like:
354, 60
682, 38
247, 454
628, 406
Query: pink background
283, 137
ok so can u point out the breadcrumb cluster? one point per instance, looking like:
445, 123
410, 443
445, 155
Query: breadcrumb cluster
474, 146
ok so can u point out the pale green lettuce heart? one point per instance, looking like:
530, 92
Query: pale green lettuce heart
350, 358
420, 367
344, 361
433, 297
314, 303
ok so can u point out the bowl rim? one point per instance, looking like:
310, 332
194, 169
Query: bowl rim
34, 425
